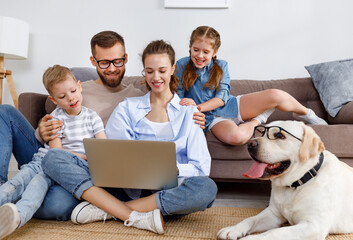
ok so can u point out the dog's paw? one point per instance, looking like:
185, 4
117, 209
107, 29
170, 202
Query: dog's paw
232, 233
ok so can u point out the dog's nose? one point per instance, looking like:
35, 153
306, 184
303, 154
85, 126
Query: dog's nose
252, 145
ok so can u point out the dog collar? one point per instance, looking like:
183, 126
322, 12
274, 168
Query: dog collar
309, 174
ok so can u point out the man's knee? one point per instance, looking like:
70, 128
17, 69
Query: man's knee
6, 111
7, 108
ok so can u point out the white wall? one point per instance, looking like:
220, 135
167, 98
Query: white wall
261, 39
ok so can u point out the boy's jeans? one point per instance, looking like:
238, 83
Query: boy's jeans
27, 188
71, 172
17, 137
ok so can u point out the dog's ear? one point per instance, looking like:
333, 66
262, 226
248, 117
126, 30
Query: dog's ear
312, 144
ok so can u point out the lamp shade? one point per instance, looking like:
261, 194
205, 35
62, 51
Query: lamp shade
14, 36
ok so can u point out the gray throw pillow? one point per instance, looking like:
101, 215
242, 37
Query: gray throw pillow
84, 73
334, 82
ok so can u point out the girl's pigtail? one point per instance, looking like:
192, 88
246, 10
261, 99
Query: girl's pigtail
215, 76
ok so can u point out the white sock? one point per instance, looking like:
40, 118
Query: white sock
262, 118
310, 118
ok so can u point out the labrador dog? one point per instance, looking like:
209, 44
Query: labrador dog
311, 189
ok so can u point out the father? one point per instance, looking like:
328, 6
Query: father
102, 95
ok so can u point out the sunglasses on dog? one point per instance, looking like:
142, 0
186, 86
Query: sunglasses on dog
273, 132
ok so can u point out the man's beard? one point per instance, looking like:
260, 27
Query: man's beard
112, 82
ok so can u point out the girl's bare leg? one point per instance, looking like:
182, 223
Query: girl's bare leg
228, 132
253, 104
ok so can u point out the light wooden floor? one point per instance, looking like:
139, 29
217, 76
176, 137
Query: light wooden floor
230, 194
13, 169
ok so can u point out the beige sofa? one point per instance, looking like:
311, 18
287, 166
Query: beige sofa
230, 162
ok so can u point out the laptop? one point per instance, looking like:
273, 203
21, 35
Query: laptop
131, 163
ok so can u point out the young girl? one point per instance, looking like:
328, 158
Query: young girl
205, 83
154, 116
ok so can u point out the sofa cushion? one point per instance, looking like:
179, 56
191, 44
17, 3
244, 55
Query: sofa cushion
136, 81
333, 81
84, 73
223, 151
344, 116
49, 106
336, 138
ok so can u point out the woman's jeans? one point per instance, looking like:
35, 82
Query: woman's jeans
17, 137
71, 172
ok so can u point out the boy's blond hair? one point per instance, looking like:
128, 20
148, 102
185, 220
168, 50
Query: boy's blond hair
54, 75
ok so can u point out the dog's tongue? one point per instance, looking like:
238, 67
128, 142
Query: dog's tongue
256, 170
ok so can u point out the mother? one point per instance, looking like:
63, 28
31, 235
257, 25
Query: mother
154, 116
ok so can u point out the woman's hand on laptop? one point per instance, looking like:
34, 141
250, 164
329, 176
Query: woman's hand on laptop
48, 130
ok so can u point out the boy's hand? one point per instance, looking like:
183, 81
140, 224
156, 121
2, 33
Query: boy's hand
187, 102
199, 118
84, 157
48, 130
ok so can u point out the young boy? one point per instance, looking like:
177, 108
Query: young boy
29, 186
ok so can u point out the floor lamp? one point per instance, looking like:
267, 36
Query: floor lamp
14, 36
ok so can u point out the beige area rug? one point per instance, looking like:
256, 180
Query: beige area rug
201, 225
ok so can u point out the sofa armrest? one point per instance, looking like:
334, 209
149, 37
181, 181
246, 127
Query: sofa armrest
32, 106
344, 116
